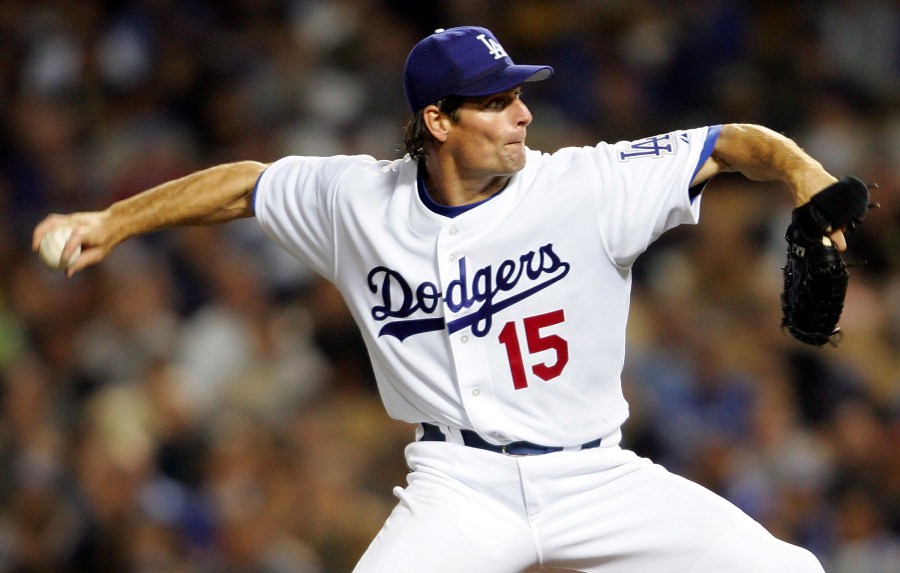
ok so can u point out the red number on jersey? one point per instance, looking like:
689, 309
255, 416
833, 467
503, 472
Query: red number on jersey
536, 343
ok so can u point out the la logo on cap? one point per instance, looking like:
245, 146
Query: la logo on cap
493, 46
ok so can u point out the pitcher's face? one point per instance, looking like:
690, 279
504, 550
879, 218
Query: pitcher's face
489, 137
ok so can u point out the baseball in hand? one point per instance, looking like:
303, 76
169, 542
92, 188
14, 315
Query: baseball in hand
52, 245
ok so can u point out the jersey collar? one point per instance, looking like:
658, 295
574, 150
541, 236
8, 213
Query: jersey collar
445, 210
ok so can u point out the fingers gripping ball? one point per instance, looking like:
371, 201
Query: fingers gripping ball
52, 245
815, 276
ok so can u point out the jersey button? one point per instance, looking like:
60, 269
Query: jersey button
453, 231
451, 257
476, 392
464, 338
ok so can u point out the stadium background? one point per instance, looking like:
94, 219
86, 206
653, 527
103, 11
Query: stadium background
200, 402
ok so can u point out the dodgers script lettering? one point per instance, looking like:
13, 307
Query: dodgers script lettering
487, 290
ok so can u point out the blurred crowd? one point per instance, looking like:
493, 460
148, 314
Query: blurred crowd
201, 403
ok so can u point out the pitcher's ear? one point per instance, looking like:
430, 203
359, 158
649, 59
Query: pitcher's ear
436, 121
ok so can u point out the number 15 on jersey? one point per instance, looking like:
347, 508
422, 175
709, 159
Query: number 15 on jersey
536, 342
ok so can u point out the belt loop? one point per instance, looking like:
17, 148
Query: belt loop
453, 434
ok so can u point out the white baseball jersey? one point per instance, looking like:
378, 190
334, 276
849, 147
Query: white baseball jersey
507, 317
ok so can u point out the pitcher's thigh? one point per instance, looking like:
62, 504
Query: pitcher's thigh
652, 520
443, 529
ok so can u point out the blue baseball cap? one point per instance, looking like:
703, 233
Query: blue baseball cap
463, 61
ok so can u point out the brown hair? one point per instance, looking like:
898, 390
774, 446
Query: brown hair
417, 139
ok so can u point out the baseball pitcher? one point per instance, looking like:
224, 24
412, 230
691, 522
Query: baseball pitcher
491, 284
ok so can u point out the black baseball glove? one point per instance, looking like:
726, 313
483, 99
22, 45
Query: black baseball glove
815, 276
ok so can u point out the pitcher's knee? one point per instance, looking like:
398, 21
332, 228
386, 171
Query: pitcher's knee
803, 561
784, 557
754, 550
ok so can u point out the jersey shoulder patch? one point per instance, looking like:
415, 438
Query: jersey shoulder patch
654, 146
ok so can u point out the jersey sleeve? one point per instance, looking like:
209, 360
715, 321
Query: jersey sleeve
294, 204
645, 188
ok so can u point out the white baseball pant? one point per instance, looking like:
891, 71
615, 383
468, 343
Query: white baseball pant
602, 510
